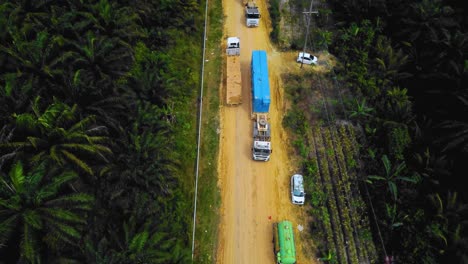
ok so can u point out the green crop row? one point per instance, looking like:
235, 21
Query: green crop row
345, 152
319, 197
341, 189
331, 165
351, 148
348, 148
331, 201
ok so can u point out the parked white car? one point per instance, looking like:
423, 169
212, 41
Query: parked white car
306, 58
297, 189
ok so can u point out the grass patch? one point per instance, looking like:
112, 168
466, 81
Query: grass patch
208, 193
275, 16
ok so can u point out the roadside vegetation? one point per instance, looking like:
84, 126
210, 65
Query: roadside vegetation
97, 130
340, 226
383, 134
209, 198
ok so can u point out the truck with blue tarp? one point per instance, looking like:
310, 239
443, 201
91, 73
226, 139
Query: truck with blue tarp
261, 148
283, 240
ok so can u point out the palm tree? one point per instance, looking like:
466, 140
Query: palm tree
395, 217
95, 97
151, 79
448, 225
389, 61
361, 111
37, 61
57, 134
397, 105
41, 209
15, 97
432, 167
101, 58
324, 38
115, 20
145, 162
138, 243
392, 175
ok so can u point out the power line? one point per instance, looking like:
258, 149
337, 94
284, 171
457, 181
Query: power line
332, 124
308, 25
199, 133
374, 216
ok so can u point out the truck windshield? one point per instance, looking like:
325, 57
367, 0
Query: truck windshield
261, 151
253, 16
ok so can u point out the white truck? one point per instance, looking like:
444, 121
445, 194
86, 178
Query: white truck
233, 72
261, 149
252, 15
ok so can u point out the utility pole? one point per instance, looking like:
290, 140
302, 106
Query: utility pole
308, 25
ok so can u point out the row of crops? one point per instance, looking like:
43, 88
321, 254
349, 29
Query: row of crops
329, 149
340, 211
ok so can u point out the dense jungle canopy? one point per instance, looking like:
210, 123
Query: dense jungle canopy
91, 96
406, 63
94, 167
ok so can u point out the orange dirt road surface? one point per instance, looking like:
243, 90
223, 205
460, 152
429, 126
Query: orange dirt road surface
255, 194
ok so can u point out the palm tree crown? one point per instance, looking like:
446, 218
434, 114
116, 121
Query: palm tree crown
37, 204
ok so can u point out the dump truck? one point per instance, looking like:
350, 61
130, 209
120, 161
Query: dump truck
283, 240
261, 148
252, 15
233, 72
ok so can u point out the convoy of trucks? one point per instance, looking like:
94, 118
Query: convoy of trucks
233, 72
252, 15
283, 240
283, 234
261, 148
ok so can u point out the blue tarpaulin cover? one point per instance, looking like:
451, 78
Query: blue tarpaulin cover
260, 82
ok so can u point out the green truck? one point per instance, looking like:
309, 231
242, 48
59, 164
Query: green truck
283, 240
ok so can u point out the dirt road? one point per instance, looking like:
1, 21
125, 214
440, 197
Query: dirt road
255, 194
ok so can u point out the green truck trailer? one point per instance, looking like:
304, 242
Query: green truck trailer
283, 240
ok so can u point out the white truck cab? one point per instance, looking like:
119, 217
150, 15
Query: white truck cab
233, 46
252, 15
261, 150
297, 189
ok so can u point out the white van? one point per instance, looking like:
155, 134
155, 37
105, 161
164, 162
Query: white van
297, 189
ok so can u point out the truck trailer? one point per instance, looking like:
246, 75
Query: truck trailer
233, 72
283, 240
252, 15
261, 149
